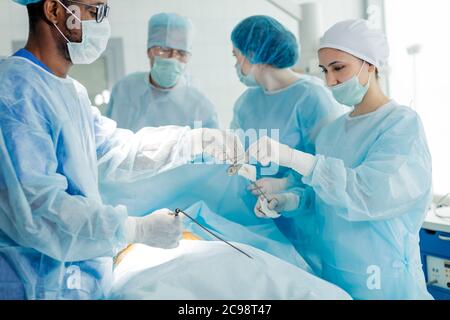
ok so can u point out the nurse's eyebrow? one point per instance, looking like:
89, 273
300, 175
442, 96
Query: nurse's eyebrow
331, 64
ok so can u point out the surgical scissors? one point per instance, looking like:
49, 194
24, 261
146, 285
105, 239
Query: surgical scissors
235, 167
233, 170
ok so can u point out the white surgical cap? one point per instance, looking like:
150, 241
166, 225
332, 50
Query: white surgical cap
358, 39
171, 31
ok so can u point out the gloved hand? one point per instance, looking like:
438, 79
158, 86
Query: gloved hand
278, 203
161, 229
267, 150
268, 186
223, 146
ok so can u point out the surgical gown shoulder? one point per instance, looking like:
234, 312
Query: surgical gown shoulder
30, 94
133, 81
20, 79
393, 124
309, 98
138, 82
389, 117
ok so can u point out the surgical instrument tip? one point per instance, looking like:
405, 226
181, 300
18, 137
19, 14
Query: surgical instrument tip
178, 211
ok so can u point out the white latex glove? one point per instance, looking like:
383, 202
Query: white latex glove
268, 186
248, 172
161, 229
267, 150
278, 203
221, 145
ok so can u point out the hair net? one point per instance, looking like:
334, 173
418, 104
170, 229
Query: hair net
263, 40
357, 38
27, 2
171, 31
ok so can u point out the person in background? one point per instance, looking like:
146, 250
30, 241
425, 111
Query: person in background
162, 96
277, 98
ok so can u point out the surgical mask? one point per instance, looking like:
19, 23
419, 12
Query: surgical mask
167, 72
95, 38
248, 80
351, 92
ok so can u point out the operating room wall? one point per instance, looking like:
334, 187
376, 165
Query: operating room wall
212, 64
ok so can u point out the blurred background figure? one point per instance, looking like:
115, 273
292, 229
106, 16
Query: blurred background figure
164, 96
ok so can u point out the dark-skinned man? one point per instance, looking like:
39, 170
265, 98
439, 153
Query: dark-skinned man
56, 234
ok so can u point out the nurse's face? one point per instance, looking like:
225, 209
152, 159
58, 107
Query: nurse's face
339, 66
241, 60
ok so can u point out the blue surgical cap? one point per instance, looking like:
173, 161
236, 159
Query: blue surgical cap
171, 31
263, 40
27, 2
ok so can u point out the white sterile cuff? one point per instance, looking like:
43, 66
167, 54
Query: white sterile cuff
292, 201
130, 229
268, 212
248, 172
303, 163
196, 142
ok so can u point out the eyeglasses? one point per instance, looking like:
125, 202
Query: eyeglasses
101, 10
169, 53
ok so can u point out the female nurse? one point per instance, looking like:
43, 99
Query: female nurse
283, 102
371, 174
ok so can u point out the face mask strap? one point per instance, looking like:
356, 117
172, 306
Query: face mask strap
370, 74
370, 78
61, 32
241, 65
68, 41
69, 11
362, 67
250, 72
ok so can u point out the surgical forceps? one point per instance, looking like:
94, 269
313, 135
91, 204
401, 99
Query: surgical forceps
178, 211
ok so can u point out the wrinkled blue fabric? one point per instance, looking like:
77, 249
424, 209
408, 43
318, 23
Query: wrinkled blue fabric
11, 287
136, 104
373, 189
260, 235
226, 206
263, 40
55, 231
299, 112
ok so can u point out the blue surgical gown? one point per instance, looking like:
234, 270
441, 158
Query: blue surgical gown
373, 188
136, 104
299, 112
55, 231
